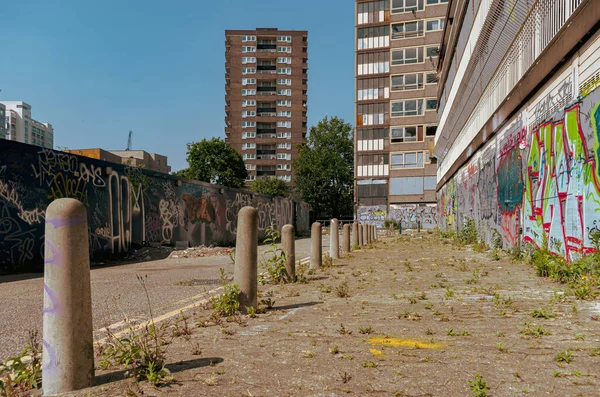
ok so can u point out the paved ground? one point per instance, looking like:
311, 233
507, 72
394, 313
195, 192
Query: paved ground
117, 293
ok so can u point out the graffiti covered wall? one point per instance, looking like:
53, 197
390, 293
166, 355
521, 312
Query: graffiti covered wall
127, 206
409, 214
538, 180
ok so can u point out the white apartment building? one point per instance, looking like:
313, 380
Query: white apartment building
21, 127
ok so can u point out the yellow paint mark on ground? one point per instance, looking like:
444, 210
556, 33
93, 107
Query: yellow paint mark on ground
376, 352
398, 342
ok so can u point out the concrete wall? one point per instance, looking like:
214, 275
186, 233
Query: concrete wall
538, 178
127, 206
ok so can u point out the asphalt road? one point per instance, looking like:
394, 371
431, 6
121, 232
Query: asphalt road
117, 293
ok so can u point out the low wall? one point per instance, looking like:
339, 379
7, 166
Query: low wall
127, 206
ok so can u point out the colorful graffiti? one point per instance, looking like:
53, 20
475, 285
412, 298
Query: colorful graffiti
127, 207
372, 214
540, 185
409, 214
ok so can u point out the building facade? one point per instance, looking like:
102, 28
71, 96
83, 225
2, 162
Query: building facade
518, 139
21, 127
397, 46
3, 121
266, 83
133, 158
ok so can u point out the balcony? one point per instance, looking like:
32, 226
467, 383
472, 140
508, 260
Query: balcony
265, 151
263, 131
266, 173
266, 157
265, 136
266, 114
260, 68
266, 109
267, 47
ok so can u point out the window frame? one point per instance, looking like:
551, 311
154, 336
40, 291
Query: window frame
404, 23
404, 127
404, 111
418, 86
404, 49
419, 6
419, 155
441, 23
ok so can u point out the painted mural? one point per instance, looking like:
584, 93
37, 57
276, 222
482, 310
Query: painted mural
127, 207
536, 182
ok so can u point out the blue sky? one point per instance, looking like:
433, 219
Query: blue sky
97, 69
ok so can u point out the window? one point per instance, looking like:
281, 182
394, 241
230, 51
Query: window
248, 135
404, 134
248, 124
409, 107
407, 30
284, 60
286, 178
375, 37
284, 49
250, 156
251, 178
430, 104
248, 49
250, 167
430, 130
432, 52
284, 81
284, 135
407, 160
284, 113
373, 63
248, 70
246, 60
431, 78
434, 24
287, 146
284, 156
368, 89
372, 114
248, 38
284, 124
287, 39
249, 102
284, 167
246, 146
411, 81
248, 92
407, 56
284, 102
372, 139
399, 6
434, 2
373, 165
284, 71
248, 81
248, 113
284, 92
373, 12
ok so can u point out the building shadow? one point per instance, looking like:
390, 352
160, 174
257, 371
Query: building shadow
295, 306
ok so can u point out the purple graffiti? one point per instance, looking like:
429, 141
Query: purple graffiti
60, 222
52, 363
56, 307
56, 258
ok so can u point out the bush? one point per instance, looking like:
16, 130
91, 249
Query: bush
468, 234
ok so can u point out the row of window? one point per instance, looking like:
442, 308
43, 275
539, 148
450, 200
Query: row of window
280, 156
252, 81
401, 160
251, 92
280, 124
379, 113
379, 88
252, 135
379, 62
398, 134
379, 36
379, 11
286, 178
286, 39
285, 146
252, 113
280, 102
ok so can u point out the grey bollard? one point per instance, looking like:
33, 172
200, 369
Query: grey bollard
316, 253
346, 238
354, 234
334, 239
289, 247
360, 234
365, 234
245, 273
375, 233
68, 345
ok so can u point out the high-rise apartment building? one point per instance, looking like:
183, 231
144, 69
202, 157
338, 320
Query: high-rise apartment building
3, 123
266, 73
22, 128
397, 45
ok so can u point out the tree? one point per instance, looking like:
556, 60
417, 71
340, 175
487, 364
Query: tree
216, 162
271, 186
325, 168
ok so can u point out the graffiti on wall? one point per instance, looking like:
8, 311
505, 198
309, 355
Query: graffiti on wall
127, 206
409, 214
372, 214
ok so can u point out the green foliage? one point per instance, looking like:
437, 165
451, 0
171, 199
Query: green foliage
24, 372
448, 233
214, 161
468, 234
564, 357
274, 259
325, 170
271, 186
342, 290
228, 303
479, 386
541, 313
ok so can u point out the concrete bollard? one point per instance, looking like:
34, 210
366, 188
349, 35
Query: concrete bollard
346, 239
288, 244
360, 234
68, 346
365, 234
245, 273
354, 234
316, 253
334, 239
375, 233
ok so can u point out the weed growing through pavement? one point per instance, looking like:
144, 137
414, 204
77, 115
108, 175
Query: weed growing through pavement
24, 372
564, 357
534, 330
479, 386
343, 330
541, 313
451, 332
274, 259
226, 304
366, 330
334, 349
345, 377
369, 364
342, 290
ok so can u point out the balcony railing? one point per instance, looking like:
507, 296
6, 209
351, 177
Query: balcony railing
266, 71
266, 157
262, 173
265, 151
266, 131
266, 114
266, 136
